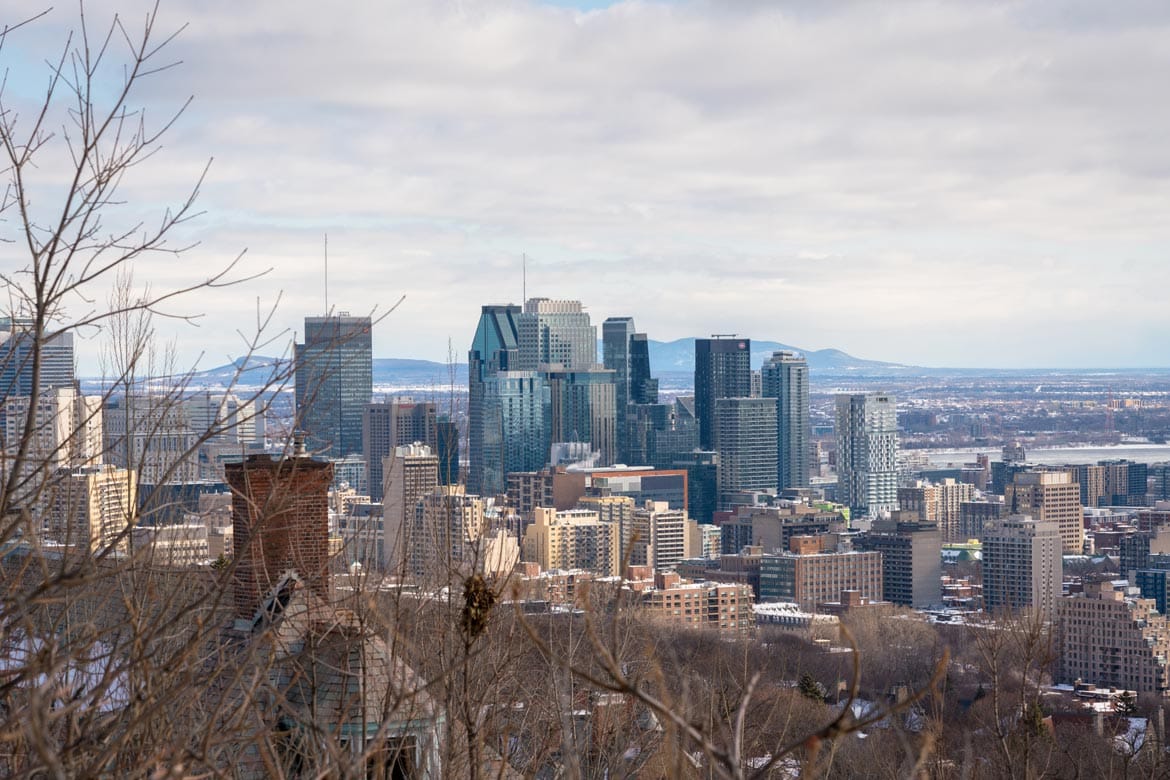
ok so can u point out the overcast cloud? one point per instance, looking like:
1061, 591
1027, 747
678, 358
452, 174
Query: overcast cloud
965, 184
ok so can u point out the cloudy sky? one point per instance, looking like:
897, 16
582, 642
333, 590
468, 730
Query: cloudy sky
937, 183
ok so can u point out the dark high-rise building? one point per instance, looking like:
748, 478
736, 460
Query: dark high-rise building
1159, 475
1126, 482
1154, 584
16, 359
447, 448
911, 562
785, 378
627, 354
615, 348
974, 515
745, 438
334, 382
508, 409
659, 433
702, 484
387, 425
723, 369
643, 387
643, 422
1137, 549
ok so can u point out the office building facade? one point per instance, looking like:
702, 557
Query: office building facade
67, 430
615, 336
745, 438
555, 333
17, 343
508, 409
583, 409
785, 377
659, 538
813, 573
939, 504
388, 425
447, 448
91, 508
334, 375
444, 536
151, 435
573, 539
723, 369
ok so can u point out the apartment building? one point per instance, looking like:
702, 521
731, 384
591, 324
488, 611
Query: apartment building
1110, 637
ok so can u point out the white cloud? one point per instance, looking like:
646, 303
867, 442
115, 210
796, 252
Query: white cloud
929, 182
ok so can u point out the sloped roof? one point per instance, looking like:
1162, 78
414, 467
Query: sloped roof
330, 665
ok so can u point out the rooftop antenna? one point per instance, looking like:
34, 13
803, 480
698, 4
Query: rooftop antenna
524, 278
326, 274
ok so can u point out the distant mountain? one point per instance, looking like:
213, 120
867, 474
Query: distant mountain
679, 356
261, 370
673, 361
422, 374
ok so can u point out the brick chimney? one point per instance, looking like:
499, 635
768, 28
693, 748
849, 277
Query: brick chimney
280, 520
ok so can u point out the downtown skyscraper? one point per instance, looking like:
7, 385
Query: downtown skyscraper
508, 408
867, 454
785, 378
745, 438
555, 333
334, 382
627, 354
16, 358
616, 333
723, 369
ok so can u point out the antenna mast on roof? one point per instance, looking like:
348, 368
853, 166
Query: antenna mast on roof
523, 278
326, 274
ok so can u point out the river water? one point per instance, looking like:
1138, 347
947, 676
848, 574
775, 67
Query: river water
1140, 453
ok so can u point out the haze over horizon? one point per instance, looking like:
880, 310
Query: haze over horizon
934, 184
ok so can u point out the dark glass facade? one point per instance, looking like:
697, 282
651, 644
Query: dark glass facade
448, 451
615, 352
785, 378
723, 369
643, 387
334, 382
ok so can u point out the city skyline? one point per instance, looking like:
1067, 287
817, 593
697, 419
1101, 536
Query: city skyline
978, 172
313, 561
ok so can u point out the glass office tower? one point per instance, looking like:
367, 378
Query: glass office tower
334, 382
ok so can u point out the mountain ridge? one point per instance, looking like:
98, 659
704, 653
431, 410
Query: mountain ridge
672, 358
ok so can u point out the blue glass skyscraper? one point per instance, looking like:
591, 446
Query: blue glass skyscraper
508, 409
